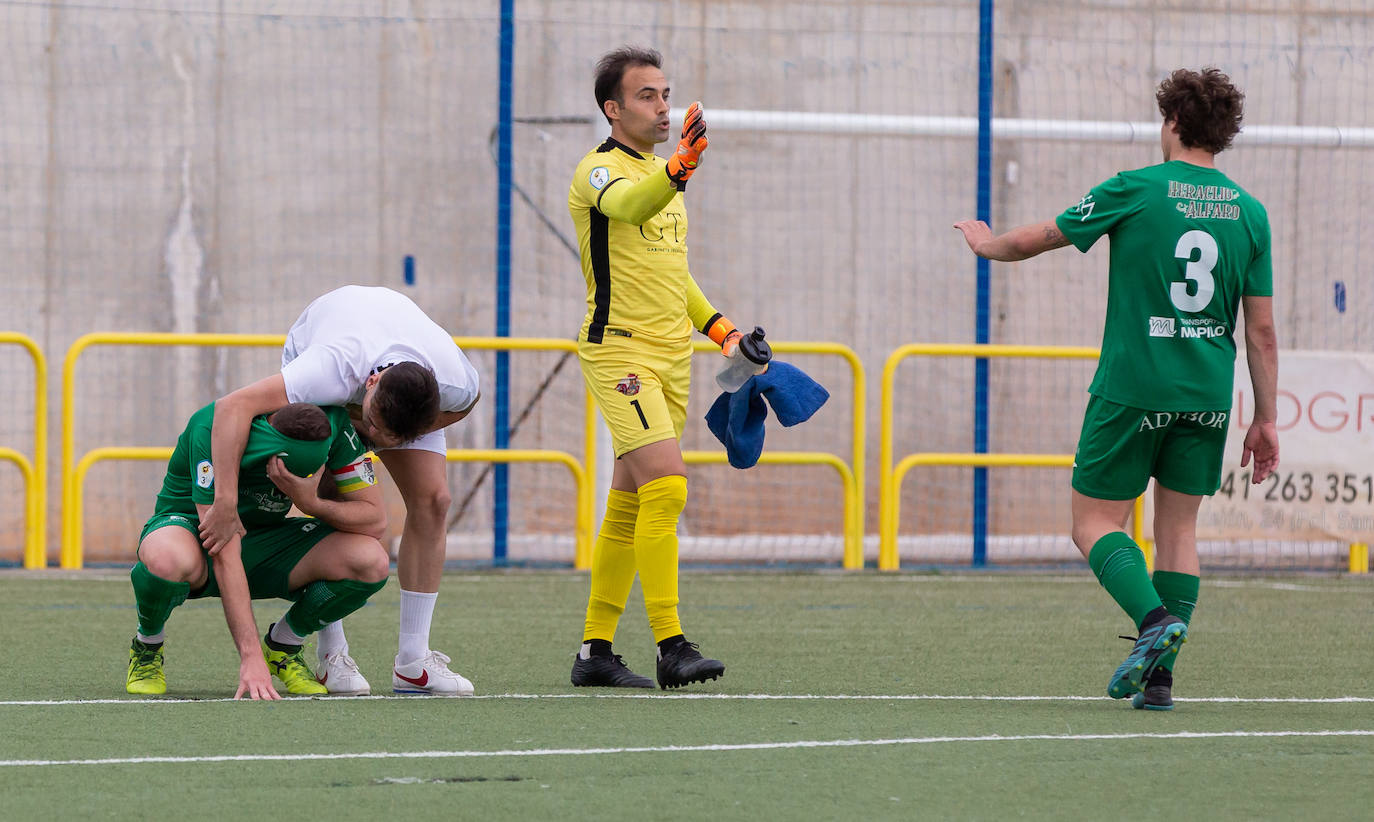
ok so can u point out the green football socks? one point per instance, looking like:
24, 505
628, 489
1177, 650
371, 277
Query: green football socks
156, 598
1179, 594
1120, 566
322, 602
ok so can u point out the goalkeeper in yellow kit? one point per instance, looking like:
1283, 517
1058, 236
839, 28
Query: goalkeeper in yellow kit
635, 347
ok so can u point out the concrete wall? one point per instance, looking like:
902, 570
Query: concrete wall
212, 166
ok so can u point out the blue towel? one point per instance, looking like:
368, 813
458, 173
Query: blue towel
737, 419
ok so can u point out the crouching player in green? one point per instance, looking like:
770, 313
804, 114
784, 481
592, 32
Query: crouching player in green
327, 565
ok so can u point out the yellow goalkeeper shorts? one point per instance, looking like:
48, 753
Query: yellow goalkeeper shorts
640, 387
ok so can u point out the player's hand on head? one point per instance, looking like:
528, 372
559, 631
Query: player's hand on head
1262, 443
975, 232
219, 525
297, 489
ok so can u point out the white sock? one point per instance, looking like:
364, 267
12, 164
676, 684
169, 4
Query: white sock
282, 634
157, 639
331, 640
417, 610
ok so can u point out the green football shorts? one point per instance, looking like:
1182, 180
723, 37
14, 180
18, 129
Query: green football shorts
269, 552
1120, 448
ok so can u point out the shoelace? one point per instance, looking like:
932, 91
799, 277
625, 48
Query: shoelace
146, 664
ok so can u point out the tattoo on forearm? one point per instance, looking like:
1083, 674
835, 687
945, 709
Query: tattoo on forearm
1055, 237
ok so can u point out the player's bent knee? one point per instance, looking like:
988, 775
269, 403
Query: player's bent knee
172, 559
373, 564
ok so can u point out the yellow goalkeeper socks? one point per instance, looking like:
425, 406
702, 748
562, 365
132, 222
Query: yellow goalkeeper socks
613, 566
660, 504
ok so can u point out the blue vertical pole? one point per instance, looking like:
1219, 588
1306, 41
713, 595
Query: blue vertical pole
982, 322
501, 487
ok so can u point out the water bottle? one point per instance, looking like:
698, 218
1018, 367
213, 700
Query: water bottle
749, 358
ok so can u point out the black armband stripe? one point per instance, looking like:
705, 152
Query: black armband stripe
605, 189
706, 329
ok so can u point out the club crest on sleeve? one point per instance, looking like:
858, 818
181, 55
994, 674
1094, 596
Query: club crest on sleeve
628, 386
205, 474
599, 177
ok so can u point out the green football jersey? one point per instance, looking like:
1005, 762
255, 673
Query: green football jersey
1186, 245
191, 477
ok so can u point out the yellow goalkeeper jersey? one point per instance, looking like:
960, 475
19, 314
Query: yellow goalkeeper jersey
633, 246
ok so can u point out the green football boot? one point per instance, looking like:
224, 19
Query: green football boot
290, 668
145, 670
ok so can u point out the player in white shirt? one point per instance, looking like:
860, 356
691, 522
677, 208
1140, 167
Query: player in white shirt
403, 380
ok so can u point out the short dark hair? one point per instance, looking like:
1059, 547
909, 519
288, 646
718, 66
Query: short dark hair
301, 421
1204, 106
610, 70
407, 400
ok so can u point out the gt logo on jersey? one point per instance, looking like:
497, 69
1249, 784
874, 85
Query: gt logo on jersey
599, 177
628, 386
205, 474
1085, 207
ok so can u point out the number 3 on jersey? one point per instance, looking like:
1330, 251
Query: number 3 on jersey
1199, 271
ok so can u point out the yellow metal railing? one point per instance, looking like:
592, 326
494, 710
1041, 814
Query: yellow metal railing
582, 525
887, 479
36, 472
888, 559
851, 474
853, 549
73, 472
582, 556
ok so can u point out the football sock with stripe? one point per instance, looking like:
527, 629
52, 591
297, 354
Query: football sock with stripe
324, 601
613, 566
156, 599
660, 504
1119, 565
1179, 594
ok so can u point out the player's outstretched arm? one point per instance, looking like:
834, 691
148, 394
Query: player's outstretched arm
1020, 243
1262, 358
636, 203
234, 413
254, 679
358, 512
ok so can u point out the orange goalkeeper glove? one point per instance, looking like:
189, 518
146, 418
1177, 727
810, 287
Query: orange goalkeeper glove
688, 154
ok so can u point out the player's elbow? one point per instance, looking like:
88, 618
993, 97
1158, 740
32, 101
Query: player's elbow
1260, 337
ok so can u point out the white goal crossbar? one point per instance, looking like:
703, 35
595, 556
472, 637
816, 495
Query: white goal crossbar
1003, 128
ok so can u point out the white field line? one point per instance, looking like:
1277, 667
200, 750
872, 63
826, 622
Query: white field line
748, 746
1328, 700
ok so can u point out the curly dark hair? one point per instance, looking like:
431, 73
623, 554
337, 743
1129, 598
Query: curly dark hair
301, 421
1204, 106
610, 70
407, 399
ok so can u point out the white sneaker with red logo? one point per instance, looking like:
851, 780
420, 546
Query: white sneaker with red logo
339, 673
429, 675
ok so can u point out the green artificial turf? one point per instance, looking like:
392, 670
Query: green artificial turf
841, 736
